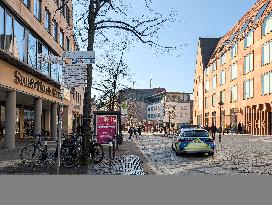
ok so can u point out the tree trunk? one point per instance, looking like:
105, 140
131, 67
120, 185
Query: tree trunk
87, 105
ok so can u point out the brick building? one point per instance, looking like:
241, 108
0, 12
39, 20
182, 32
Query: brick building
236, 70
27, 87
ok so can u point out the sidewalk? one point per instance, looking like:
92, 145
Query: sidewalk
127, 154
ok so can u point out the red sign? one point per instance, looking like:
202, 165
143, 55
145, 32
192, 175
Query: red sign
106, 128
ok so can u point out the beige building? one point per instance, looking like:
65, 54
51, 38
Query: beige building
236, 71
29, 90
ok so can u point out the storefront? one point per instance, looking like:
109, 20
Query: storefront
28, 101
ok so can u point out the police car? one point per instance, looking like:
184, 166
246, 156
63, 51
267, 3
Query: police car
193, 140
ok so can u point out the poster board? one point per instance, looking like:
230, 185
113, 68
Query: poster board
107, 126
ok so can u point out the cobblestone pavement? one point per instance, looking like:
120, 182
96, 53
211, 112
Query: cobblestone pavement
235, 155
128, 161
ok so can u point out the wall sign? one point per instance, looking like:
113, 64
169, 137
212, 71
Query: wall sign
35, 85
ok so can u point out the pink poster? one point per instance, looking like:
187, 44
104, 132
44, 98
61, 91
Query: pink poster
106, 127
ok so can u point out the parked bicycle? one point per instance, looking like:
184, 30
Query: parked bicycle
37, 153
96, 151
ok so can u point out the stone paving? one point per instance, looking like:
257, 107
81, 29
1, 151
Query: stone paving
127, 162
235, 155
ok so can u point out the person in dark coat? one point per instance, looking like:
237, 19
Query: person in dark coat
130, 132
140, 131
239, 128
213, 130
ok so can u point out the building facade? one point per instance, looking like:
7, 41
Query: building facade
170, 108
236, 71
30, 90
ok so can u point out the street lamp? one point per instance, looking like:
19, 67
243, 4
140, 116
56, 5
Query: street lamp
220, 131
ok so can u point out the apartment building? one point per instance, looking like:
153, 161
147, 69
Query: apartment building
234, 74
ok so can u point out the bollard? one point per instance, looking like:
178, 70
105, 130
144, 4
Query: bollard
45, 144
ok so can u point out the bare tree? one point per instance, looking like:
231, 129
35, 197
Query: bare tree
100, 17
113, 75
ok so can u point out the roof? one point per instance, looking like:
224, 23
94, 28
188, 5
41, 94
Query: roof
207, 46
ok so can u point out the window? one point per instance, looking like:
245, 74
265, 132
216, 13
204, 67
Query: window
234, 94
213, 99
67, 14
223, 59
214, 82
260, 12
26, 2
47, 20
267, 53
61, 38
62, 6
38, 9
233, 71
55, 72
222, 77
67, 44
148, 109
207, 86
148, 115
44, 67
234, 50
267, 25
222, 96
57, 2
55, 30
248, 89
2, 28
9, 34
206, 102
248, 63
248, 41
267, 83
19, 41
214, 65
32, 51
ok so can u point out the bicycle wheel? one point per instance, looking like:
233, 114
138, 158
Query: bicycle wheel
30, 155
96, 152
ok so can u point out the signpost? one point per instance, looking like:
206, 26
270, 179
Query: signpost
77, 70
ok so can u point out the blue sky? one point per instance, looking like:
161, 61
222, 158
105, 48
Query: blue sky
199, 18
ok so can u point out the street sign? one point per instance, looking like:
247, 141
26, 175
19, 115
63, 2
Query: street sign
75, 67
79, 55
45, 58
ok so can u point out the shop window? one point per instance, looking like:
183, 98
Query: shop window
2, 28
19, 41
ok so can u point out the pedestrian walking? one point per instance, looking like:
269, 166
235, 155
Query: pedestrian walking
213, 130
239, 128
135, 133
130, 132
140, 131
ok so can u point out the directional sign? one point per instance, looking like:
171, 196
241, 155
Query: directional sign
79, 55
45, 58
75, 67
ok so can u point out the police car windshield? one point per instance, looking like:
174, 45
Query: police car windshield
195, 133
